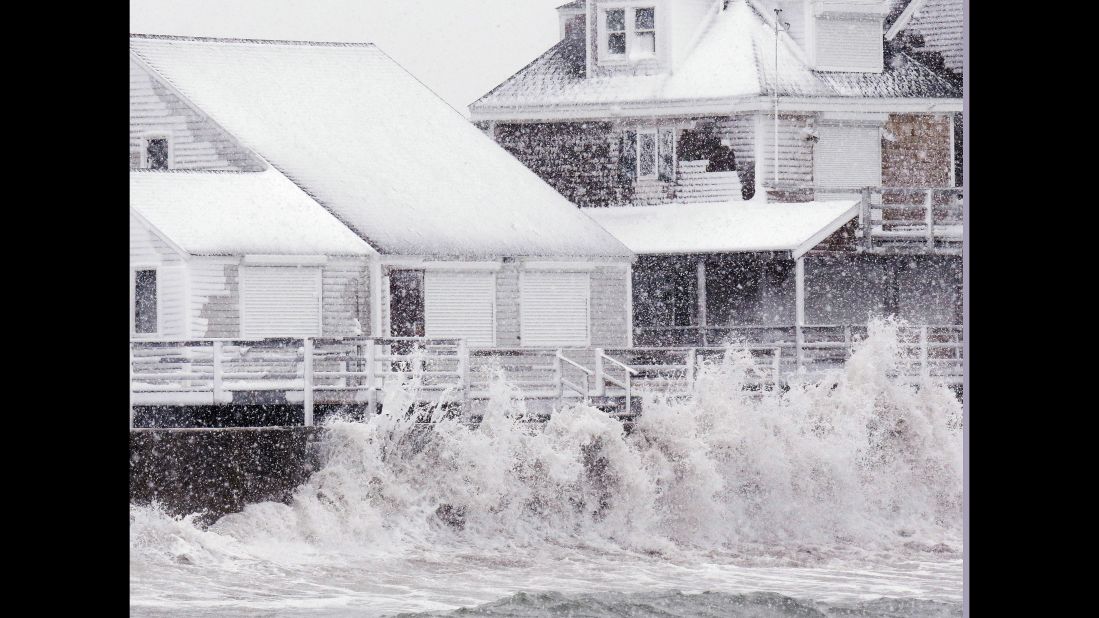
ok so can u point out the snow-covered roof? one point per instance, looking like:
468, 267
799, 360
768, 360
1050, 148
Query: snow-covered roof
734, 60
725, 227
375, 146
239, 213
939, 22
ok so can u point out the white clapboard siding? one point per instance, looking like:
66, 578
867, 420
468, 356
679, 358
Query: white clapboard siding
553, 309
847, 156
849, 44
280, 301
461, 304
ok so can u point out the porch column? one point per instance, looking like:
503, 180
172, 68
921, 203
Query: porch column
799, 307
701, 271
376, 296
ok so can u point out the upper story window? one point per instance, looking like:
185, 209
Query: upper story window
628, 31
649, 154
157, 153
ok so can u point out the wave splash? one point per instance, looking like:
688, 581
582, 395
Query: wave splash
858, 461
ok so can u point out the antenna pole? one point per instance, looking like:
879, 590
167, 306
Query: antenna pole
774, 91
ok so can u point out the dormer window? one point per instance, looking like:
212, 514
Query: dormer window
157, 152
628, 32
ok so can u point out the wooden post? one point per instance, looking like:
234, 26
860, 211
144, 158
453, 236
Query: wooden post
776, 368
131, 385
307, 378
557, 376
692, 366
371, 385
799, 304
600, 383
463, 368
867, 220
929, 218
218, 389
701, 274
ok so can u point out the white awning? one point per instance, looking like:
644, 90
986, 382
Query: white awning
725, 227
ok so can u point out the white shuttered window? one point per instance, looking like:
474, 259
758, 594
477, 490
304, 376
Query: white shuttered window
847, 156
280, 301
461, 304
553, 308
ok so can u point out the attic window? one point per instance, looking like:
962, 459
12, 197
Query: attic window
157, 153
628, 32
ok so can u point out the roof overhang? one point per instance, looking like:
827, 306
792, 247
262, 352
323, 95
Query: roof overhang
696, 107
725, 227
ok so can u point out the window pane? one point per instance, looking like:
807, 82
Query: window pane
647, 154
646, 42
616, 43
667, 154
156, 154
616, 20
644, 20
145, 301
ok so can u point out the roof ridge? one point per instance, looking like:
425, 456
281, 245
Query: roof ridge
209, 39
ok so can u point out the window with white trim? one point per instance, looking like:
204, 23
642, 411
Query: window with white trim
156, 152
627, 32
145, 314
653, 153
554, 308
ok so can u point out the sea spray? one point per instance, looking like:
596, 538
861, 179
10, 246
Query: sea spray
858, 463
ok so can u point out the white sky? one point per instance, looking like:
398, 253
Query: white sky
460, 48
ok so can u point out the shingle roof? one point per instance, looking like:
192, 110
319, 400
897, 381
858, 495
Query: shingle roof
237, 213
940, 23
575, 4
375, 146
733, 60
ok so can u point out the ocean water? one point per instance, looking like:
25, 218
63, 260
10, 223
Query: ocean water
835, 498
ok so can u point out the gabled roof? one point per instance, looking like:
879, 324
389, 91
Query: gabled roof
238, 213
734, 60
725, 227
940, 23
375, 146
575, 4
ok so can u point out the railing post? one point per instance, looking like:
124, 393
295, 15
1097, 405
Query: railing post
929, 217
867, 221
217, 388
692, 367
600, 383
371, 385
463, 367
557, 376
776, 367
131, 385
307, 378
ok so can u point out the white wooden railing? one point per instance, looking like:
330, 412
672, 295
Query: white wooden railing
360, 369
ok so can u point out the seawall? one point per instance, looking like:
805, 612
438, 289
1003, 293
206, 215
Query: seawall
219, 471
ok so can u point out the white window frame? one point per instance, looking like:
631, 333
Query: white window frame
133, 300
630, 15
655, 132
564, 269
146, 138
242, 282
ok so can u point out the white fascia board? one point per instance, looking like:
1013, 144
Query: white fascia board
284, 260
853, 117
712, 108
559, 266
423, 263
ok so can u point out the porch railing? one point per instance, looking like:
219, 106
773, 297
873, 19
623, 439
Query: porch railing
360, 369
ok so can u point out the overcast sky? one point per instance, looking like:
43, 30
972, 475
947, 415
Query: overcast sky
459, 48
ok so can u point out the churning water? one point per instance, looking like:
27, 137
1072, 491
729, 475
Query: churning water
835, 498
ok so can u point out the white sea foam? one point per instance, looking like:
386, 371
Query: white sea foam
844, 489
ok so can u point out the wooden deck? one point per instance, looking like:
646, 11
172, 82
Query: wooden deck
370, 370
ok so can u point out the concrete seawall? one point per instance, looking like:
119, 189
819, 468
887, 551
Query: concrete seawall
219, 471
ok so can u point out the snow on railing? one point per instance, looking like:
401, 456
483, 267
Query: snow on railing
897, 218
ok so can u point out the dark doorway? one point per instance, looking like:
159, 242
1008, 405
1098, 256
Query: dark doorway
406, 303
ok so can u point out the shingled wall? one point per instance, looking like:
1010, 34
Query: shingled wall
578, 159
